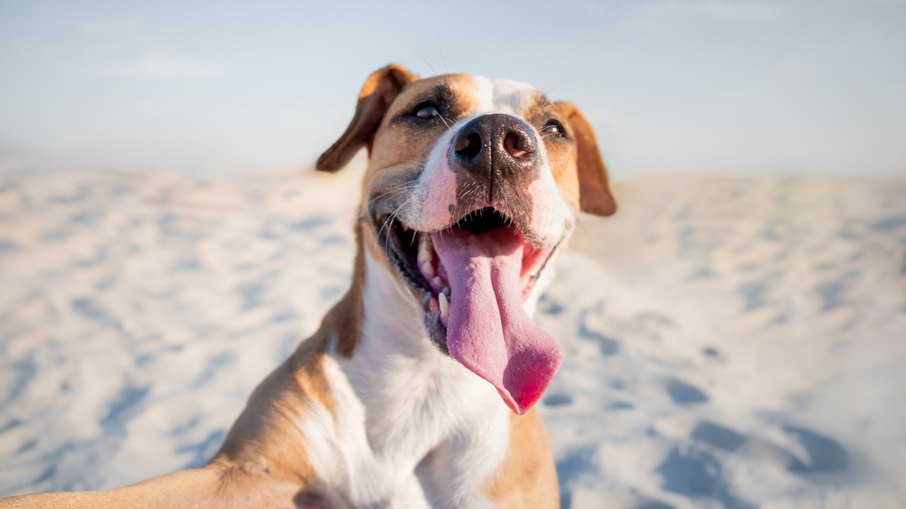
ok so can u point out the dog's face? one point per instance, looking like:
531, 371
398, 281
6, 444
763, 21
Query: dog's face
471, 187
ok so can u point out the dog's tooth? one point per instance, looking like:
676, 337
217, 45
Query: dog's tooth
444, 306
446, 291
424, 251
437, 282
427, 269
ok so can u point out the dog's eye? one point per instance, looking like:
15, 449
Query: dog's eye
553, 128
426, 111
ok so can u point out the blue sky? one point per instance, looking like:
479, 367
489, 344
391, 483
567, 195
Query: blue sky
701, 86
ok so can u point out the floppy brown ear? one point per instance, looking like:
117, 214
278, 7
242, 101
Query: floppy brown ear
594, 189
378, 92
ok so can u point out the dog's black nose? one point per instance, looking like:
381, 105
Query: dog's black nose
495, 144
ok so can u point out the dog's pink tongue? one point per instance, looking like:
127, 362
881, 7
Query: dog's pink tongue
488, 331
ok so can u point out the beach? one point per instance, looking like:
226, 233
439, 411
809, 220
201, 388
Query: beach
732, 342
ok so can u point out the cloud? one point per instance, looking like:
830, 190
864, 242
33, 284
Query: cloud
721, 9
162, 67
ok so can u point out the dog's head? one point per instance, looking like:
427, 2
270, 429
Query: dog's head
471, 187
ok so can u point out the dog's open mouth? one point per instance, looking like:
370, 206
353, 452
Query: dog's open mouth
473, 279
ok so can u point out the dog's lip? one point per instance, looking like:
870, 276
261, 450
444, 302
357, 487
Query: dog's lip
402, 243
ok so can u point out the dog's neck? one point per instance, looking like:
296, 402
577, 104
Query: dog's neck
394, 356
393, 325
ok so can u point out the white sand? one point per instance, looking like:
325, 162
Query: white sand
730, 342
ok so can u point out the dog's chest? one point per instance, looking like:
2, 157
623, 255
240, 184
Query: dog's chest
426, 437
411, 426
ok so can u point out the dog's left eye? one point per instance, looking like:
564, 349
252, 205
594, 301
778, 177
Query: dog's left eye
426, 111
553, 128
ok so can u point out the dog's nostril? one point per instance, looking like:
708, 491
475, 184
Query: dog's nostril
468, 146
517, 145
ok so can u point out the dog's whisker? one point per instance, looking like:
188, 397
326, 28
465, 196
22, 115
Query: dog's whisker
548, 90
440, 50
426, 62
390, 220
403, 188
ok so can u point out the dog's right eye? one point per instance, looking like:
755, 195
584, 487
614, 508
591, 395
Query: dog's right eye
426, 111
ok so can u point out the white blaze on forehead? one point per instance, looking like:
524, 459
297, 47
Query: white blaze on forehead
501, 96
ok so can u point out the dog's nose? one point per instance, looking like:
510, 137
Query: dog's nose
498, 143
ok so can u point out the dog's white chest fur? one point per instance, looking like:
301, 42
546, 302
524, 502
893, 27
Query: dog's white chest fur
413, 428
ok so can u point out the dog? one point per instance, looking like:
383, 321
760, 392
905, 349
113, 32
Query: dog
418, 388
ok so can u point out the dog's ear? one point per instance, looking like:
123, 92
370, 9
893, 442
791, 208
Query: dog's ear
594, 189
378, 92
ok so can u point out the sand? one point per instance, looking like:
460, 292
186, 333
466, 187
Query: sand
730, 342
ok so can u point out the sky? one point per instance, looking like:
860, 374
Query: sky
672, 86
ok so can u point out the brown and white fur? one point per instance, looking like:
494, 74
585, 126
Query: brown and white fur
371, 411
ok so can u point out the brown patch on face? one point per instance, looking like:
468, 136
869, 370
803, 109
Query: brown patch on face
403, 141
585, 177
527, 477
